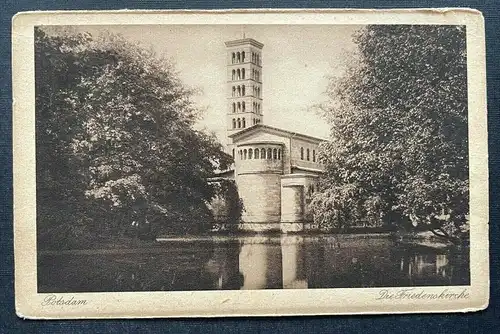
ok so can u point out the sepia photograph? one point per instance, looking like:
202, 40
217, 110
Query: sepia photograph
205, 157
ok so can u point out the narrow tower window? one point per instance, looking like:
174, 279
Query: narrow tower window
307, 156
314, 155
279, 154
233, 59
244, 154
250, 153
233, 75
243, 56
238, 57
262, 153
239, 123
269, 153
243, 90
301, 153
243, 106
234, 91
243, 73
275, 154
238, 74
234, 123
256, 153
233, 153
234, 107
244, 125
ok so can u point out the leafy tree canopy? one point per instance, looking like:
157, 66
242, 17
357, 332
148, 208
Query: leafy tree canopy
115, 136
398, 148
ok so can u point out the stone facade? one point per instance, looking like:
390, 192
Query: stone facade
275, 170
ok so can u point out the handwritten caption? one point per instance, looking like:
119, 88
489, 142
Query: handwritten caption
422, 294
53, 300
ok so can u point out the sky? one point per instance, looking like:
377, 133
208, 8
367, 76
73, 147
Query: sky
296, 63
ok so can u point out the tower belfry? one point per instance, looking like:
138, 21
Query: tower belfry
244, 85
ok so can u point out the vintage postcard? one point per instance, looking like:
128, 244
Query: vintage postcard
249, 163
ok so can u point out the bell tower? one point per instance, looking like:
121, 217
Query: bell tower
244, 85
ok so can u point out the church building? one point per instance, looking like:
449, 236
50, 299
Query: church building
275, 170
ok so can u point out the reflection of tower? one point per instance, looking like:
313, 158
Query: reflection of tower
244, 85
260, 264
293, 258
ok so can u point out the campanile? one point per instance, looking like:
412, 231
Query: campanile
244, 86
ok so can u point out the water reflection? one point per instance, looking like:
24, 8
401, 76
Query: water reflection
296, 262
287, 262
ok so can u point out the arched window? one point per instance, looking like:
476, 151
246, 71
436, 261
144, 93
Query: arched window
256, 153
234, 91
239, 123
314, 155
243, 90
253, 57
307, 156
239, 106
244, 125
301, 153
269, 153
233, 75
258, 91
234, 123
275, 154
243, 56
238, 57
233, 59
244, 154
262, 153
234, 107
233, 153
250, 153
279, 154
243, 106
241, 155
243, 73
239, 91
238, 74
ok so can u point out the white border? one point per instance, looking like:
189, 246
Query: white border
239, 303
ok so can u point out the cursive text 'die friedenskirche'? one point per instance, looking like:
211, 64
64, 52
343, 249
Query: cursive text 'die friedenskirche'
421, 294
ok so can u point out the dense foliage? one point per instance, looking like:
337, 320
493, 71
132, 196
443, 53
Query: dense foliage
116, 145
227, 206
398, 152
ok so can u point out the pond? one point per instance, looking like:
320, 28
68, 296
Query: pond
253, 262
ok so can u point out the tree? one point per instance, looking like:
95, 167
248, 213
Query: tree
115, 138
398, 151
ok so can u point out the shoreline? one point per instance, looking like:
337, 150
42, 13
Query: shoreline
158, 245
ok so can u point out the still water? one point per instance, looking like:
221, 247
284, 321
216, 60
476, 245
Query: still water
254, 262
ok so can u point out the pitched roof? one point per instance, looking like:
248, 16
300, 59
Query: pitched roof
278, 131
